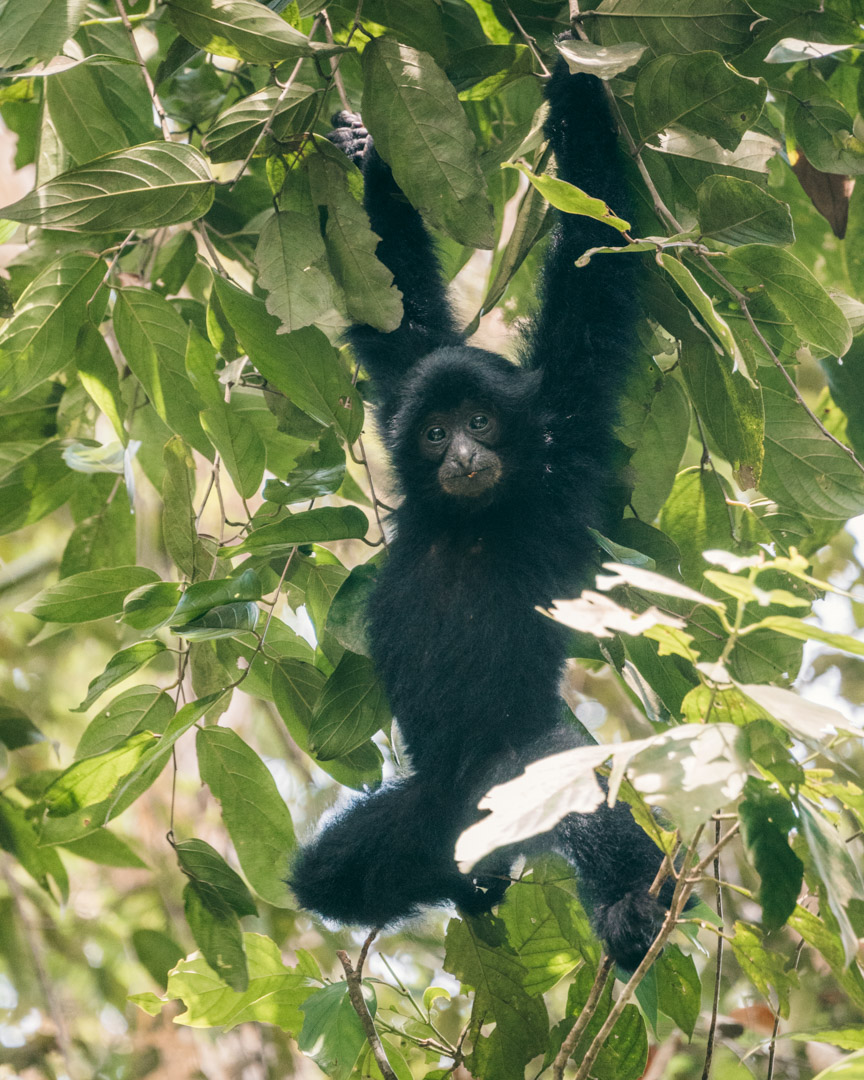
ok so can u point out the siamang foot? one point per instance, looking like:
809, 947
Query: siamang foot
629, 926
475, 896
349, 135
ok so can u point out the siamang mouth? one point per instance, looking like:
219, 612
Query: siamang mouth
476, 482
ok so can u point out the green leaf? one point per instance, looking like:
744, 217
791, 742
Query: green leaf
91, 780
150, 607
479, 956
106, 849
367, 284
204, 595
239, 445
20, 839
206, 867
234, 132
837, 871
420, 130
85, 122
765, 969
660, 444
217, 934
192, 556
729, 407
252, 808
797, 293
486, 70
319, 471
17, 729
332, 1034
297, 687
37, 30
698, 91
142, 708
156, 757
817, 933
803, 469
143, 187
158, 952
547, 925
33, 483
244, 30
105, 540
737, 212
569, 198
228, 620
723, 26
303, 365
274, 994
700, 300
153, 339
88, 596
346, 618
40, 337
352, 707
310, 526
767, 818
679, 988
174, 262
848, 1068
121, 665
290, 257
822, 127
98, 374
696, 518
625, 1052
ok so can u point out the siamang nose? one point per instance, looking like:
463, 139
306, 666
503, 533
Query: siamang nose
463, 452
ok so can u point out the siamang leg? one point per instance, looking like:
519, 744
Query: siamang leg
388, 854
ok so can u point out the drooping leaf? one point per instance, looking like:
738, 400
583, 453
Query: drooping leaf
352, 707
420, 130
121, 665
244, 30
217, 934
205, 866
739, 212
144, 187
91, 595
40, 337
699, 91
310, 526
252, 808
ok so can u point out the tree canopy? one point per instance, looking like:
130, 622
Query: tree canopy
191, 523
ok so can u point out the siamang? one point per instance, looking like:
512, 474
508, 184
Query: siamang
504, 468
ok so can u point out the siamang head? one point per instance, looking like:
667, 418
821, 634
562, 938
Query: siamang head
465, 432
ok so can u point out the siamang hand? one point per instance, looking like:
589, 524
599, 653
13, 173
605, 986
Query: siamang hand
350, 136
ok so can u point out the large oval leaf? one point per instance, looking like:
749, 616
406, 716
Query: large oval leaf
144, 187
243, 30
412, 110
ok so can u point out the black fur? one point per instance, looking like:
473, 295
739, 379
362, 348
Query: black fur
470, 667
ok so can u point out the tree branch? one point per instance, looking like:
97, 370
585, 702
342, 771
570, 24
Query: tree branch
354, 978
575, 1033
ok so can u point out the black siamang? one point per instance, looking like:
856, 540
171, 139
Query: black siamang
503, 468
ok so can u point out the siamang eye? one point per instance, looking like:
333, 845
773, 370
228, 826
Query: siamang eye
478, 422
436, 434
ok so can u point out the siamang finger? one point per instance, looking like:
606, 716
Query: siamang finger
346, 119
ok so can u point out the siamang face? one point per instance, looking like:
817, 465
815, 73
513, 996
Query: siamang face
462, 443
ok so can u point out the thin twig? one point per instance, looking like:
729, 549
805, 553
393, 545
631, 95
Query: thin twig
715, 1007
575, 1034
354, 979
679, 899
268, 126
148, 81
530, 42
336, 74
772, 1050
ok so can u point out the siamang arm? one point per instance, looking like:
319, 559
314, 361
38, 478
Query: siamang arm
582, 338
406, 249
